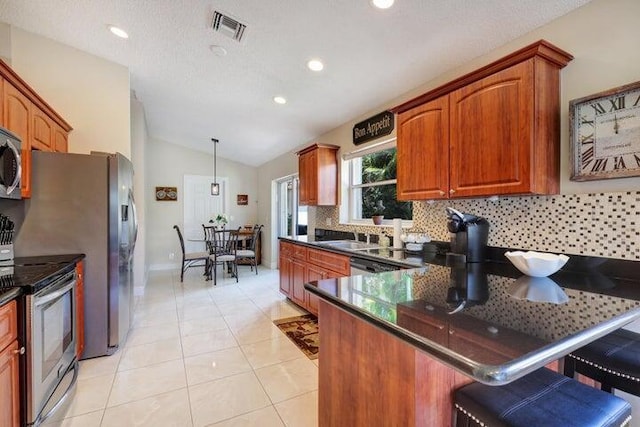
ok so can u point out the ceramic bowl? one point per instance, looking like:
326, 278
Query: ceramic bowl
536, 264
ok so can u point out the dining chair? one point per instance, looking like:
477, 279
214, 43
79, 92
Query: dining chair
191, 258
249, 252
224, 251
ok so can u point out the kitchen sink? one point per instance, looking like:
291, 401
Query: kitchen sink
353, 245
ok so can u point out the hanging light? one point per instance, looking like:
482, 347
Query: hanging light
215, 187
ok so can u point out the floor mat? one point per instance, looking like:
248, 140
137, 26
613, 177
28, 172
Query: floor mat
303, 331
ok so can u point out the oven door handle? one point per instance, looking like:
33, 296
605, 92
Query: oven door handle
54, 295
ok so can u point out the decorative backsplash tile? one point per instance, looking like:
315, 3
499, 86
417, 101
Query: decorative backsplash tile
601, 224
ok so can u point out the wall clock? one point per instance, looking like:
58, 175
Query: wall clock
605, 134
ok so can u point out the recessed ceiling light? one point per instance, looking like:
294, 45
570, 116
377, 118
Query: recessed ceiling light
218, 50
315, 65
382, 4
279, 100
118, 32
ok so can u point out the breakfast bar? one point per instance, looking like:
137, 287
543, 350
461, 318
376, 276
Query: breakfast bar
403, 341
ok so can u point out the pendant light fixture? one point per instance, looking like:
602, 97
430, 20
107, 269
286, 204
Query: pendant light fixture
215, 187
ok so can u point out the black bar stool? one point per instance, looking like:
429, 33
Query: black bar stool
613, 361
542, 398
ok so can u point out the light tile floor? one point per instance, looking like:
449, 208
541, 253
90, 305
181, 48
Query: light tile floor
200, 355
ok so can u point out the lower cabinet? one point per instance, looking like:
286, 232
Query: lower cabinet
300, 264
9, 366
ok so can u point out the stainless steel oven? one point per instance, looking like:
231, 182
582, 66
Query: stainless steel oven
52, 368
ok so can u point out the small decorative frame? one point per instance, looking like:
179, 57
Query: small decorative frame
166, 194
243, 199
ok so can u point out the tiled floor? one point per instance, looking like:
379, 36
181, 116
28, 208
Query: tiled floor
200, 355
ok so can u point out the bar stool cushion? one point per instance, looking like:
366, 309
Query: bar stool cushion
542, 398
616, 355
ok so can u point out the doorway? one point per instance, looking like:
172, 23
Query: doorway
200, 206
292, 218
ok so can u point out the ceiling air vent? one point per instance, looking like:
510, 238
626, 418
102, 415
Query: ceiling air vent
227, 26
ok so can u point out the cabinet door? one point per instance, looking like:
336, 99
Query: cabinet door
308, 178
17, 110
491, 134
284, 264
297, 286
313, 274
43, 130
423, 151
9, 386
285, 275
60, 139
80, 308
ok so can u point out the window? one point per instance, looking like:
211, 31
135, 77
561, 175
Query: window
372, 184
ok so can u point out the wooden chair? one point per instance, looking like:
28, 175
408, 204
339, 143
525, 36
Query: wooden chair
190, 259
224, 249
249, 252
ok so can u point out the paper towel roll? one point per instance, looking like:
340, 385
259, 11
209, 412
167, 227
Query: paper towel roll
397, 231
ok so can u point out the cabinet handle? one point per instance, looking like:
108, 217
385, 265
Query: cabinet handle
452, 191
441, 193
19, 351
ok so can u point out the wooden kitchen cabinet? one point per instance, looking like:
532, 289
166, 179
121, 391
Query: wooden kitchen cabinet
43, 130
9, 366
318, 174
284, 265
423, 151
495, 131
300, 264
28, 116
60, 139
79, 308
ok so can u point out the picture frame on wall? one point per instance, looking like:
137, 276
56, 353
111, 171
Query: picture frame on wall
166, 194
243, 199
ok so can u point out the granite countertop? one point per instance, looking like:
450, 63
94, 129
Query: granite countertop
487, 320
26, 272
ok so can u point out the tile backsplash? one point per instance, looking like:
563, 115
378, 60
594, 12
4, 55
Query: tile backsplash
600, 224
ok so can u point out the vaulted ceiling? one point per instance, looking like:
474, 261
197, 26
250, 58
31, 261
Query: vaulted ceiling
191, 94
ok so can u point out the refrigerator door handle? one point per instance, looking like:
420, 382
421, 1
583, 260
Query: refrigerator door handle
134, 211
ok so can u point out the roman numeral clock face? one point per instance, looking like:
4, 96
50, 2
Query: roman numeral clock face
605, 134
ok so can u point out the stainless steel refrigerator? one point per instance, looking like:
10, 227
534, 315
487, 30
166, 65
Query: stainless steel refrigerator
84, 203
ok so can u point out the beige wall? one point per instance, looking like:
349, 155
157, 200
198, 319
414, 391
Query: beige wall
90, 93
5, 42
601, 62
167, 165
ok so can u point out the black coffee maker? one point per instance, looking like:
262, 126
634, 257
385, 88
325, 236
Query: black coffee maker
469, 237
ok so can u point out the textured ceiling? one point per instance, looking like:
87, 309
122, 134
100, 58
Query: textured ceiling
370, 55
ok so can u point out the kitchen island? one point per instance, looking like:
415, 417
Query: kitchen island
396, 344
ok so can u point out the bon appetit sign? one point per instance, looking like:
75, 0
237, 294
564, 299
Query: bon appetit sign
374, 127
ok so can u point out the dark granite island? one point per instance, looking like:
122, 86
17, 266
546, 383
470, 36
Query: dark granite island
395, 345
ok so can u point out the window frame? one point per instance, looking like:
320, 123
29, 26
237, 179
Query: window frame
351, 207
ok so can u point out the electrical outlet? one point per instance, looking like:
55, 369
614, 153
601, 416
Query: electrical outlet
172, 256
328, 221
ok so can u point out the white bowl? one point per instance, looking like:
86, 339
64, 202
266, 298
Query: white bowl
536, 264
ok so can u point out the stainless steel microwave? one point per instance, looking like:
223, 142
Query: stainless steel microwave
10, 165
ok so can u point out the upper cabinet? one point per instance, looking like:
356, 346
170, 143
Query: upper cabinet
495, 131
27, 115
318, 174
